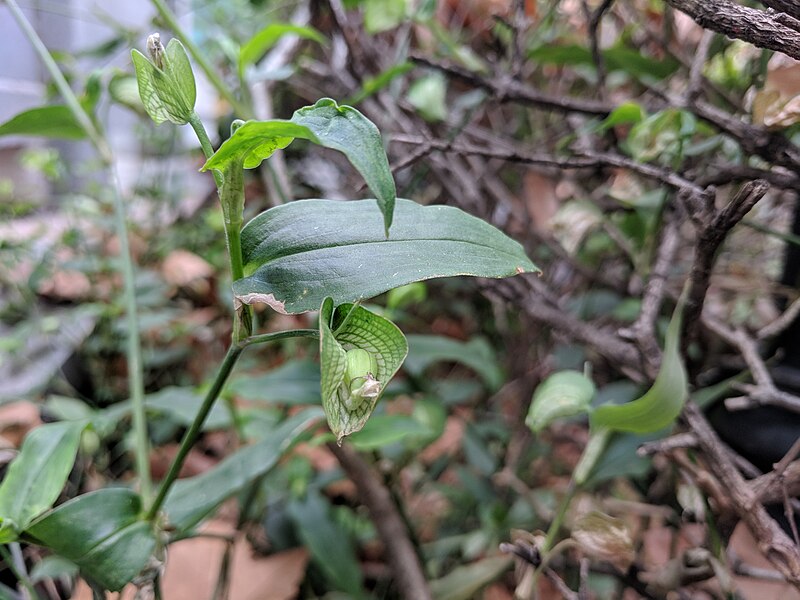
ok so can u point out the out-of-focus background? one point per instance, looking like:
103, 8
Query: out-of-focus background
604, 136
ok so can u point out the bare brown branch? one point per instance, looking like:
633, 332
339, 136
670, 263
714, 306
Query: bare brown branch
757, 27
402, 557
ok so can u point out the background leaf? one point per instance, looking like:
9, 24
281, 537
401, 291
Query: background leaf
252, 51
190, 500
299, 253
329, 545
382, 430
477, 354
462, 583
38, 473
295, 382
345, 129
562, 394
46, 121
662, 403
101, 533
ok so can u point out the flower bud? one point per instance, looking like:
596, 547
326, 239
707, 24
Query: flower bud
156, 50
166, 81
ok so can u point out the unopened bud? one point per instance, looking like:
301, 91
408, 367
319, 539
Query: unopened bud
156, 50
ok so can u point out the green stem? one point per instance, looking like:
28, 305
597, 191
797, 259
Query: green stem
205, 144
134, 348
171, 20
211, 396
86, 123
134, 352
555, 526
194, 430
278, 335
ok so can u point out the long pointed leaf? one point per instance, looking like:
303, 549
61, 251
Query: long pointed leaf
190, 500
102, 532
299, 253
37, 475
662, 403
46, 121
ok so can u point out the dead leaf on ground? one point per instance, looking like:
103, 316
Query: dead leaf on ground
66, 285
449, 443
182, 268
196, 462
16, 420
777, 105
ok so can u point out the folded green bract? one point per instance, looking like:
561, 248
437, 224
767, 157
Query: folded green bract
344, 329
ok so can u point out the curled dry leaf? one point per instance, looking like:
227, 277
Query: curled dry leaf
778, 104
605, 538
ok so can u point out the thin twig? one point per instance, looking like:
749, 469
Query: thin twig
400, 552
644, 328
668, 444
585, 160
508, 90
772, 541
560, 584
782, 322
710, 240
593, 19
698, 63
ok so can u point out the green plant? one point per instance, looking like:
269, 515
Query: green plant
306, 255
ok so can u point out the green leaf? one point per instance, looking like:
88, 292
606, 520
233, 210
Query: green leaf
330, 546
124, 90
46, 121
299, 253
182, 404
190, 500
102, 533
296, 382
381, 80
662, 403
462, 583
662, 136
626, 113
37, 475
256, 46
563, 394
406, 295
429, 96
255, 141
477, 354
345, 129
346, 328
328, 124
382, 430
617, 58
382, 15
619, 458
53, 567
179, 71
